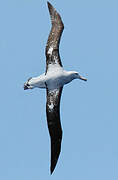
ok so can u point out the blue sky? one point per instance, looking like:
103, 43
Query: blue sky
89, 112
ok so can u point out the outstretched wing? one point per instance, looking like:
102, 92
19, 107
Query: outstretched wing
52, 47
54, 124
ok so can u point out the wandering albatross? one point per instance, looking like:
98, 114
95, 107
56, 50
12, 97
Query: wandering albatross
53, 80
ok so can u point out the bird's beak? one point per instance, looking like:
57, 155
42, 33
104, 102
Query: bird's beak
82, 78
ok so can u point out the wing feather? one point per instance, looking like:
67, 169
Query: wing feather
54, 124
52, 47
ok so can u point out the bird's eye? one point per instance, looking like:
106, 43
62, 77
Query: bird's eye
76, 73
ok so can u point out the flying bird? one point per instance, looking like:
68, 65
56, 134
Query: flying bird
53, 80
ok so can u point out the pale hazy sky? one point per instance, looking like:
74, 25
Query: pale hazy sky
89, 111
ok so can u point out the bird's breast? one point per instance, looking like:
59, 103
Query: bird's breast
56, 79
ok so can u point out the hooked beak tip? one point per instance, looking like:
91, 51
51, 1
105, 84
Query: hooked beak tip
85, 79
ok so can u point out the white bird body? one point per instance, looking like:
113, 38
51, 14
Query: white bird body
56, 77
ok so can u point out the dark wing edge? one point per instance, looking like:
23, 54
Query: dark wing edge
54, 124
52, 47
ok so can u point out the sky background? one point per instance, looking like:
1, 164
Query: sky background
89, 110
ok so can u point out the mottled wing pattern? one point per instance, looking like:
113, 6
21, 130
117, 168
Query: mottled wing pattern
54, 124
52, 47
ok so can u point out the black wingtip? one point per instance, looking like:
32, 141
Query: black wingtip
55, 152
49, 5
52, 169
48, 2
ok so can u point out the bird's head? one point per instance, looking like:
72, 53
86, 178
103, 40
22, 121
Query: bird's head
75, 75
28, 84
